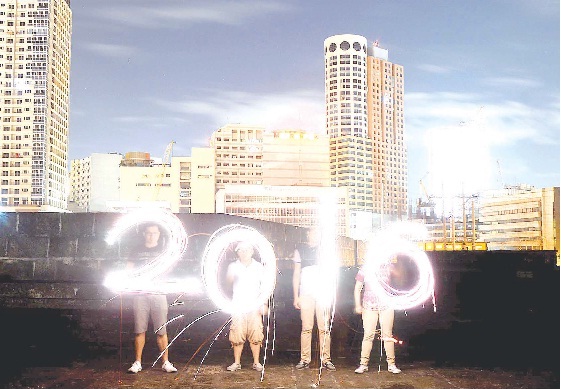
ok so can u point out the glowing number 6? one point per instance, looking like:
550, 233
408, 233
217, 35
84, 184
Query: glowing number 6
142, 279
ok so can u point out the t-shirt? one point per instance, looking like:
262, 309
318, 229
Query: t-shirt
141, 255
247, 281
310, 269
370, 300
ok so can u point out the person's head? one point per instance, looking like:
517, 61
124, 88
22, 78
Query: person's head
313, 236
244, 251
151, 235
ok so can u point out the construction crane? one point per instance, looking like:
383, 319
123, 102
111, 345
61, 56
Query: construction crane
165, 163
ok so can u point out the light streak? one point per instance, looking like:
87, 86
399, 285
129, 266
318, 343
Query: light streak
210, 346
144, 279
215, 252
181, 332
382, 250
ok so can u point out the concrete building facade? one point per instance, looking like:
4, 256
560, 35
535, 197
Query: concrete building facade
520, 218
35, 47
302, 206
94, 180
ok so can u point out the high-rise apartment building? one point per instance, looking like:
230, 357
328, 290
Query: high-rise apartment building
364, 95
34, 103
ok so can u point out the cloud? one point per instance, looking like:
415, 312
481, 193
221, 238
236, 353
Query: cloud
162, 15
302, 109
437, 69
516, 82
110, 50
462, 136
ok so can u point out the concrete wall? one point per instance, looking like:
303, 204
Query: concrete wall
490, 305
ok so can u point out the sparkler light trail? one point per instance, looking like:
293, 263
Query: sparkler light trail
214, 254
143, 279
382, 250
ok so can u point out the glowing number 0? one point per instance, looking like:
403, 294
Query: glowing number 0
214, 252
381, 252
142, 279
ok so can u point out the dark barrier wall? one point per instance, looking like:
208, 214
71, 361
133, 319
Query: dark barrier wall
492, 308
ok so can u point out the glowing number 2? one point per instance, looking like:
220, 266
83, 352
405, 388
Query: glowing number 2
143, 279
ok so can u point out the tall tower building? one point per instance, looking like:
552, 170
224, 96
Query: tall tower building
34, 104
365, 123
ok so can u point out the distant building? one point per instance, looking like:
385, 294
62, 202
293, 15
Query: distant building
111, 182
364, 97
295, 158
520, 218
295, 205
34, 108
238, 153
94, 181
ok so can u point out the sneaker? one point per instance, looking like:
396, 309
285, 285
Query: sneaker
234, 366
135, 368
329, 366
257, 366
393, 369
302, 365
168, 367
361, 369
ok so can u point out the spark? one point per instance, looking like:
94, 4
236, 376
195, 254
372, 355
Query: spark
209, 347
181, 332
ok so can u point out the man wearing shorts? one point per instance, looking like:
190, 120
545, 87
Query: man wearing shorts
246, 274
147, 306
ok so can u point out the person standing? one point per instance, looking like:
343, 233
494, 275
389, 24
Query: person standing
246, 275
372, 311
149, 305
309, 299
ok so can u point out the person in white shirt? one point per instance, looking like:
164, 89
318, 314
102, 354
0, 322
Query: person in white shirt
246, 275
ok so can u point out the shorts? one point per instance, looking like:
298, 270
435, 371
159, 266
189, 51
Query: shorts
154, 306
247, 326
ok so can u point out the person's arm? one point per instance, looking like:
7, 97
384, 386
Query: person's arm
296, 279
358, 304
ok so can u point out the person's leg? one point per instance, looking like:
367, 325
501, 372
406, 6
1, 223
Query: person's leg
238, 348
162, 341
159, 316
369, 322
307, 308
255, 335
386, 324
255, 350
141, 310
237, 338
139, 341
323, 317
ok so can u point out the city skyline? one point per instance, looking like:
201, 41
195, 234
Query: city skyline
180, 70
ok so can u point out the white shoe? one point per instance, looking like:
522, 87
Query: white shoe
361, 369
393, 369
135, 368
257, 366
168, 367
234, 366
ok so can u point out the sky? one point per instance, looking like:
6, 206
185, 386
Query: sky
481, 79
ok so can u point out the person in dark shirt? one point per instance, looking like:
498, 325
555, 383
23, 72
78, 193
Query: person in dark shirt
149, 305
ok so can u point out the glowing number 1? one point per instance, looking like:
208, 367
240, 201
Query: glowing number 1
143, 279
